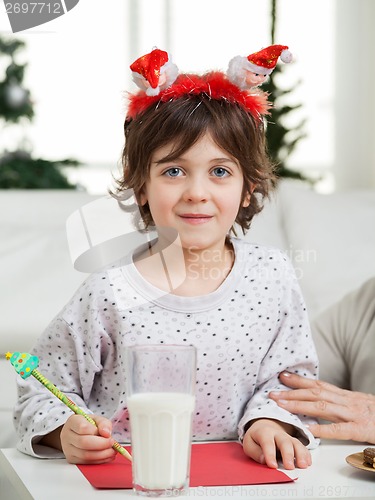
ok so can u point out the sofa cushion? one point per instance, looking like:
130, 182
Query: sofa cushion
266, 227
331, 241
36, 273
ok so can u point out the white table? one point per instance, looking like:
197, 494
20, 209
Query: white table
23, 477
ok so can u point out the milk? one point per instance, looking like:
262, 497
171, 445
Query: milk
161, 439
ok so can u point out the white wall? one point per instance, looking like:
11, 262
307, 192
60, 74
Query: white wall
354, 164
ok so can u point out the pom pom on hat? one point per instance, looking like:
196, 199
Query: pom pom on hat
286, 56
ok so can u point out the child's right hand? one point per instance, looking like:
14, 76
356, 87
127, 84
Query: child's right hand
83, 443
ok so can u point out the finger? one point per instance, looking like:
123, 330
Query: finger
81, 434
252, 449
320, 409
302, 456
318, 388
316, 393
341, 430
295, 381
93, 443
285, 446
265, 446
80, 425
293, 452
79, 456
269, 451
85, 448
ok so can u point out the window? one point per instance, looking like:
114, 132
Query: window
78, 70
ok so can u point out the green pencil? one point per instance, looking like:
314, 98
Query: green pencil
25, 365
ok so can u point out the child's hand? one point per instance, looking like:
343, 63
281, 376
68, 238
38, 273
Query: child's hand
83, 443
264, 438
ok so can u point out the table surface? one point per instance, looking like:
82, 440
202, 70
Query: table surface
23, 477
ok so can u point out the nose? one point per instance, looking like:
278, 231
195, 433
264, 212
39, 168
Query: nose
195, 190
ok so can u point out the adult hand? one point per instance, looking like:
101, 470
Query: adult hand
352, 413
83, 443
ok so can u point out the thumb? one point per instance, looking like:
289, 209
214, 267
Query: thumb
104, 426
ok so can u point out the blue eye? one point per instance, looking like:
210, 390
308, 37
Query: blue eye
173, 172
220, 172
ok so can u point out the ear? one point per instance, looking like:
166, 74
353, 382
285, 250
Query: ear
246, 200
142, 196
247, 197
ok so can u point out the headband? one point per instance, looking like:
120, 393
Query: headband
159, 81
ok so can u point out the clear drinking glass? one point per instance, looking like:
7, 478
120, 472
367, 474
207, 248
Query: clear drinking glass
160, 399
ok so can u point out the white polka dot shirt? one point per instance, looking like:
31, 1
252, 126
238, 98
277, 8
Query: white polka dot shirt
246, 332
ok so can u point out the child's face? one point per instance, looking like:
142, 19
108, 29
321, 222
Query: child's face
198, 194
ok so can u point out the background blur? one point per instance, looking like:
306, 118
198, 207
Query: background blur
78, 74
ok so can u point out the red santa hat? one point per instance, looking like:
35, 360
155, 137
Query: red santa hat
264, 61
150, 67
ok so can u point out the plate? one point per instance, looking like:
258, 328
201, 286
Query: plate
356, 460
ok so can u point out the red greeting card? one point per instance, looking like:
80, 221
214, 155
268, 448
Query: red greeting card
212, 464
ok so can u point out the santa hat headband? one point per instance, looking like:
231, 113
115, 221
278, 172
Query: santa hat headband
149, 66
213, 85
264, 61
158, 78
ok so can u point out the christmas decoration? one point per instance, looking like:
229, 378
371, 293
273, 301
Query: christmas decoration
154, 72
18, 169
215, 85
15, 95
281, 140
253, 70
264, 61
15, 102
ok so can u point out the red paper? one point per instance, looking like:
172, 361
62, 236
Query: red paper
212, 464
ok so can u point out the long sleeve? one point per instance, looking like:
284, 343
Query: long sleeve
70, 358
292, 349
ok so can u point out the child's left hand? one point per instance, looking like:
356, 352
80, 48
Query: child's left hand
265, 437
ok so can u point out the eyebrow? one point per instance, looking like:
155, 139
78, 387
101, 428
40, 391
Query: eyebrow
224, 159
214, 160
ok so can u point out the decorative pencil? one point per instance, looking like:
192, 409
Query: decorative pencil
25, 365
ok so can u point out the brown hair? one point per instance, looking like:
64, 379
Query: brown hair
182, 122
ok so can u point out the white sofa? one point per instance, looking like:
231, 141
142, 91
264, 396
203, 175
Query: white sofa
330, 239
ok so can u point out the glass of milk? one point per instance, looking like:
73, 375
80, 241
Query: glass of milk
160, 398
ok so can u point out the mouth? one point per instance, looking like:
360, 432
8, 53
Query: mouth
196, 218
